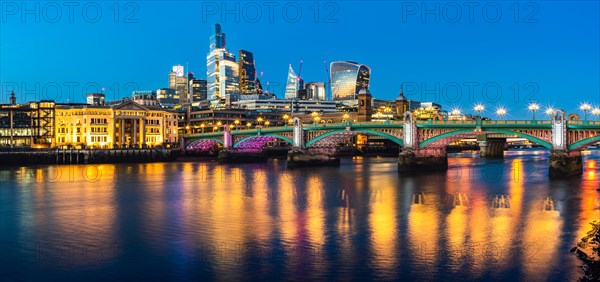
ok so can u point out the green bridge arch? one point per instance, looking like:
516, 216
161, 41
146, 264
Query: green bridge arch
533, 139
200, 139
365, 131
269, 134
584, 142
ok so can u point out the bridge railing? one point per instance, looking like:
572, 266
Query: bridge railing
449, 122
584, 122
517, 122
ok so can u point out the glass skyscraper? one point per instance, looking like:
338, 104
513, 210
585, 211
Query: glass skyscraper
197, 89
291, 86
247, 76
217, 40
347, 78
222, 69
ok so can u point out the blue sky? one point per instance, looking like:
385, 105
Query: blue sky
548, 52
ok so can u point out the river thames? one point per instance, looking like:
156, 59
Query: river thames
183, 221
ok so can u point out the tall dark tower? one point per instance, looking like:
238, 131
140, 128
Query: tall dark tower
402, 105
13, 99
246, 73
365, 109
217, 40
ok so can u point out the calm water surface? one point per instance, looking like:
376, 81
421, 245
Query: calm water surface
480, 220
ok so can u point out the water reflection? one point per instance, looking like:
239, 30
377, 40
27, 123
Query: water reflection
480, 219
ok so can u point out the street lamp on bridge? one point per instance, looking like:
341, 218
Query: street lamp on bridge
345, 117
533, 107
479, 108
258, 121
316, 117
596, 112
455, 114
286, 119
501, 112
585, 107
550, 112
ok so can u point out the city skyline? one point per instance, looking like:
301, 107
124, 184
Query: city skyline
443, 74
300, 140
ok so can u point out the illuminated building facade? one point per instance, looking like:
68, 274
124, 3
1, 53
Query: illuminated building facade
178, 82
126, 125
287, 105
31, 124
430, 110
347, 79
145, 98
167, 97
96, 99
315, 91
248, 81
222, 70
198, 89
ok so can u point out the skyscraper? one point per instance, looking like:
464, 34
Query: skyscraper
178, 82
198, 89
217, 40
291, 86
221, 68
247, 76
315, 91
347, 79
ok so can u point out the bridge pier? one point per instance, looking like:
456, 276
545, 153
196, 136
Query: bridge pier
422, 160
492, 148
565, 163
303, 157
413, 159
300, 156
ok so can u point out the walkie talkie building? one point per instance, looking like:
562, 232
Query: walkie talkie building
347, 78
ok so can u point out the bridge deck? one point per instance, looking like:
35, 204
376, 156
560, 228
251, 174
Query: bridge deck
429, 124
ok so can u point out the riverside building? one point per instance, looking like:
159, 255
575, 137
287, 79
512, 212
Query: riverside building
124, 125
46, 124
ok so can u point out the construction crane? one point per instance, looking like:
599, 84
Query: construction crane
328, 97
299, 71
